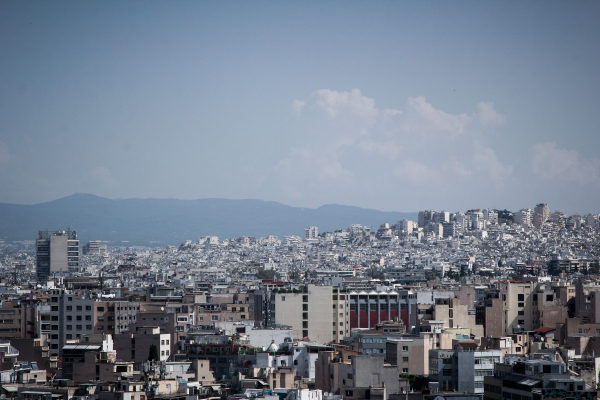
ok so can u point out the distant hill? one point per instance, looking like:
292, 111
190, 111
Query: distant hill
161, 222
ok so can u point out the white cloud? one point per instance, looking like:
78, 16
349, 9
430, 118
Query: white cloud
297, 106
350, 147
5, 155
551, 163
487, 116
423, 117
353, 102
486, 160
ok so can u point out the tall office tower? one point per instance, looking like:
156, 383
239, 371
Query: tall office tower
56, 252
311, 233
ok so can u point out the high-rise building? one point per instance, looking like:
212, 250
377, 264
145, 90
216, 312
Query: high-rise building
425, 217
405, 226
320, 313
543, 210
311, 233
524, 217
56, 251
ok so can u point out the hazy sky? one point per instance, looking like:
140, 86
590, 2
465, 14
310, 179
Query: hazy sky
398, 106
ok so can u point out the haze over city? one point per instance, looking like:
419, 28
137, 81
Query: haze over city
395, 106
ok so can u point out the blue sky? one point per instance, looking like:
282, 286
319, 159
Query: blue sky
398, 106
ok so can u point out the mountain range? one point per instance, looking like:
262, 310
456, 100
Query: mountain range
161, 222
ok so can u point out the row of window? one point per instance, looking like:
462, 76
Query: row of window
77, 327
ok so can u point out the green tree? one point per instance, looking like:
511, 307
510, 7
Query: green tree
266, 274
411, 379
153, 355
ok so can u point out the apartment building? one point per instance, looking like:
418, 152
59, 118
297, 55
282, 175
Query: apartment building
518, 309
411, 352
320, 313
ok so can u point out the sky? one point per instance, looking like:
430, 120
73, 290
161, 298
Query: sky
396, 106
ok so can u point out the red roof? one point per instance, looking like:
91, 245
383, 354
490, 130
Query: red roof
468, 344
544, 329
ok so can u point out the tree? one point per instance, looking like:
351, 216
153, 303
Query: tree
266, 274
411, 379
594, 268
153, 355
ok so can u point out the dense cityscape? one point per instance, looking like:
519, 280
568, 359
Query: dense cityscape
485, 304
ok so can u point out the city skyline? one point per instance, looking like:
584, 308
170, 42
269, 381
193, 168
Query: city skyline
391, 106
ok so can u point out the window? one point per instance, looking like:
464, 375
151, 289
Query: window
305, 315
549, 297
521, 304
305, 298
305, 324
78, 318
282, 298
69, 299
88, 308
89, 327
79, 308
214, 317
521, 297
304, 307
405, 370
521, 322
78, 327
69, 308
341, 332
88, 317
55, 299
404, 348
69, 327
521, 312
100, 327
69, 336
100, 309
54, 337
54, 346
54, 327
349, 393
54, 308
404, 359
55, 318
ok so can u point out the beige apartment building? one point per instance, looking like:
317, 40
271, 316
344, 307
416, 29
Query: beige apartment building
517, 301
411, 352
320, 314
